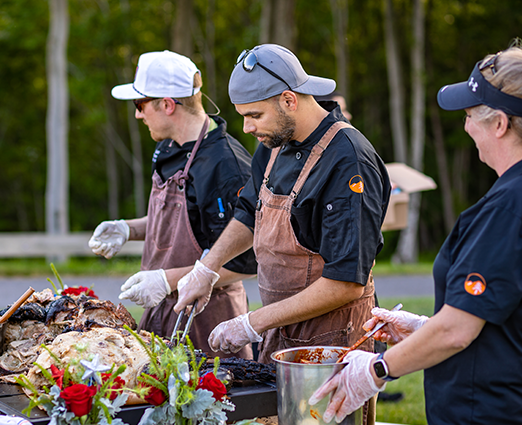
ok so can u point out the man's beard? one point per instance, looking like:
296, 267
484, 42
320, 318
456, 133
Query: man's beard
282, 134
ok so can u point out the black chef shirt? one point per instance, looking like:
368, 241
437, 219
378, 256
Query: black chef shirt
479, 270
219, 170
328, 217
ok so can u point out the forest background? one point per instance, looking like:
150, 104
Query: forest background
389, 58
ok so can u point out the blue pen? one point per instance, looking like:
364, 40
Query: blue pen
221, 208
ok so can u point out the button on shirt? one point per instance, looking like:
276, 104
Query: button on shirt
478, 270
328, 217
219, 171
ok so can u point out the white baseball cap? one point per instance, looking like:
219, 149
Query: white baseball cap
160, 74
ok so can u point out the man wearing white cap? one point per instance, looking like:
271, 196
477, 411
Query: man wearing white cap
198, 170
312, 210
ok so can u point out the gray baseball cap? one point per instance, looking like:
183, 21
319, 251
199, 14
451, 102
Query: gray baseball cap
268, 70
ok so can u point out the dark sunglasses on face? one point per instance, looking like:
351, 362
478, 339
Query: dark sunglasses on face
140, 102
249, 60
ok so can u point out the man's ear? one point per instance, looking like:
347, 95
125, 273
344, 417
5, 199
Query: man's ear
288, 100
169, 105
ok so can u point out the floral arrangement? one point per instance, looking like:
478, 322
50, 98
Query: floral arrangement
65, 290
173, 385
82, 392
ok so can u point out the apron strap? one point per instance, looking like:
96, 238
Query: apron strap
180, 175
315, 155
270, 164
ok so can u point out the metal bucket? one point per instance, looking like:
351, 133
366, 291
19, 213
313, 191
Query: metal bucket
296, 382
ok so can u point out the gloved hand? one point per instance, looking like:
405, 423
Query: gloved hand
401, 324
146, 288
109, 237
351, 387
196, 285
232, 335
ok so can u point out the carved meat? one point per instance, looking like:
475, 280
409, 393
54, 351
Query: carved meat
45, 316
112, 345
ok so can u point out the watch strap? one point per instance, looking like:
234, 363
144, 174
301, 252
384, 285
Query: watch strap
381, 369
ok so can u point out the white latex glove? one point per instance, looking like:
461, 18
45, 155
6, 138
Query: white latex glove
109, 237
147, 288
401, 324
196, 285
232, 335
351, 387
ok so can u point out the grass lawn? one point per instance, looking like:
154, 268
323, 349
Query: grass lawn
410, 410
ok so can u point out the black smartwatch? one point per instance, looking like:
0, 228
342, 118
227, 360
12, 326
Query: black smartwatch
381, 369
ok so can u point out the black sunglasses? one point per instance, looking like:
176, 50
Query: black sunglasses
490, 63
140, 102
249, 60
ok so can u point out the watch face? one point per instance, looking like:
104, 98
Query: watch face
380, 371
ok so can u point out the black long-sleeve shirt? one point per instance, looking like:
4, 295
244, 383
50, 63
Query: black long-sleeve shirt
219, 171
328, 217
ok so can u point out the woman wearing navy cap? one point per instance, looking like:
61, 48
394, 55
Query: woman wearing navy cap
471, 349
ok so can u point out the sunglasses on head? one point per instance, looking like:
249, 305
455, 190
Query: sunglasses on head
140, 102
491, 63
249, 60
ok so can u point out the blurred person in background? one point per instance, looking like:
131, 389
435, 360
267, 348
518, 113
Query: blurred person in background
336, 97
471, 349
198, 171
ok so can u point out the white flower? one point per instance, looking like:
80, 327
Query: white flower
91, 367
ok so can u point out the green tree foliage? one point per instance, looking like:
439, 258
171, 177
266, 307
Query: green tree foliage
107, 36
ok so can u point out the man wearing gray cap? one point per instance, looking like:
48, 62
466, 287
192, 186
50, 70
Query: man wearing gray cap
312, 210
198, 169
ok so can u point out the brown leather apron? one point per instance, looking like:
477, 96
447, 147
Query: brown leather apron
285, 267
170, 243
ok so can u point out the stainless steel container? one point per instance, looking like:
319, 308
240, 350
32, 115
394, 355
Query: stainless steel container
297, 381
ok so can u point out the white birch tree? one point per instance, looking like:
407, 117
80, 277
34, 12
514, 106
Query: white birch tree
57, 124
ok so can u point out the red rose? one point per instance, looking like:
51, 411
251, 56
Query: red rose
78, 291
154, 396
57, 375
211, 383
78, 398
117, 384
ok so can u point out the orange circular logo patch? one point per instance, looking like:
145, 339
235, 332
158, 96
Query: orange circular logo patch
475, 284
356, 184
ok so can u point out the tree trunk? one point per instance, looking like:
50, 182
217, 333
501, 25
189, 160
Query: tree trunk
112, 177
278, 23
284, 27
397, 109
134, 133
265, 22
442, 167
408, 246
340, 20
57, 128
181, 32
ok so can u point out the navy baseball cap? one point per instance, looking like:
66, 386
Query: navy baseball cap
478, 91
268, 70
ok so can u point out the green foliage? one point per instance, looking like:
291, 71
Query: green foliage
107, 36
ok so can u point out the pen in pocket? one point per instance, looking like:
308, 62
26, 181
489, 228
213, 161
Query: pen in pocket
221, 208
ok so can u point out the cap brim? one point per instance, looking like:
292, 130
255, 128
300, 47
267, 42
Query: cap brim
316, 86
126, 92
456, 97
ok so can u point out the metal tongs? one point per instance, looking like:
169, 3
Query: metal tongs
187, 326
181, 315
